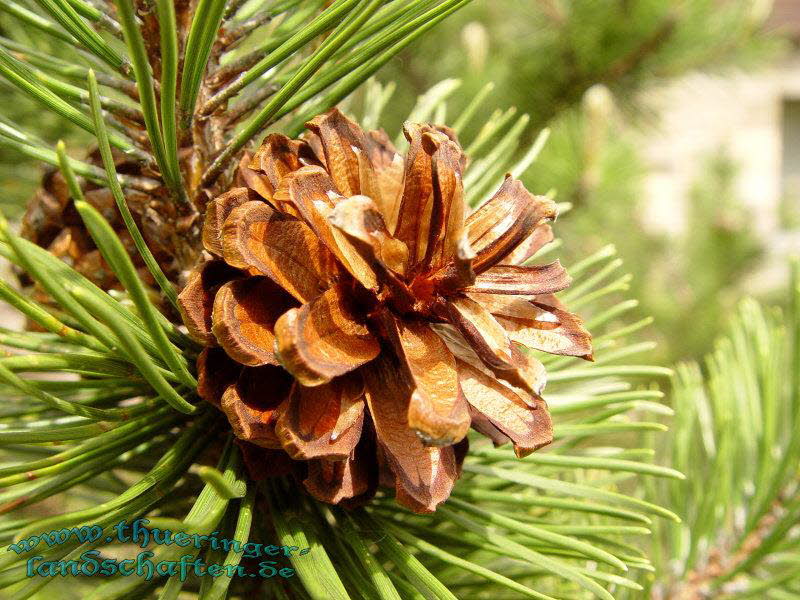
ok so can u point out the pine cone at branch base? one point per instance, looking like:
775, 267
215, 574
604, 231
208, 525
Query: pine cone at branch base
52, 222
359, 321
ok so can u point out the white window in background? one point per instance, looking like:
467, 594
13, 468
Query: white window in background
790, 164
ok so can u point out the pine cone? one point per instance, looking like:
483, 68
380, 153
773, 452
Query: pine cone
52, 222
356, 319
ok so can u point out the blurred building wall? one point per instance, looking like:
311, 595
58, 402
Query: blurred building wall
742, 114
754, 117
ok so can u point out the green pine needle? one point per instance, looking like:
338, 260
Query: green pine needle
119, 198
205, 23
66, 15
147, 95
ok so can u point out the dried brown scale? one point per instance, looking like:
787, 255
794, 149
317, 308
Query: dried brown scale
230, 37
146, 12
397, 319
249, 103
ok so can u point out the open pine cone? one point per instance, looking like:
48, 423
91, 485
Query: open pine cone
359, 321
52, 222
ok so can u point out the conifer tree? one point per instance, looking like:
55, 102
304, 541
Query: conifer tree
143, 385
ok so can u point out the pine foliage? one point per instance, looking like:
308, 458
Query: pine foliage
735, 438
135, 441
100, 420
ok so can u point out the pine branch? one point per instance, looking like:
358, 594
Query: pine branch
742, 413
64, 13
25, 79
134, 410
